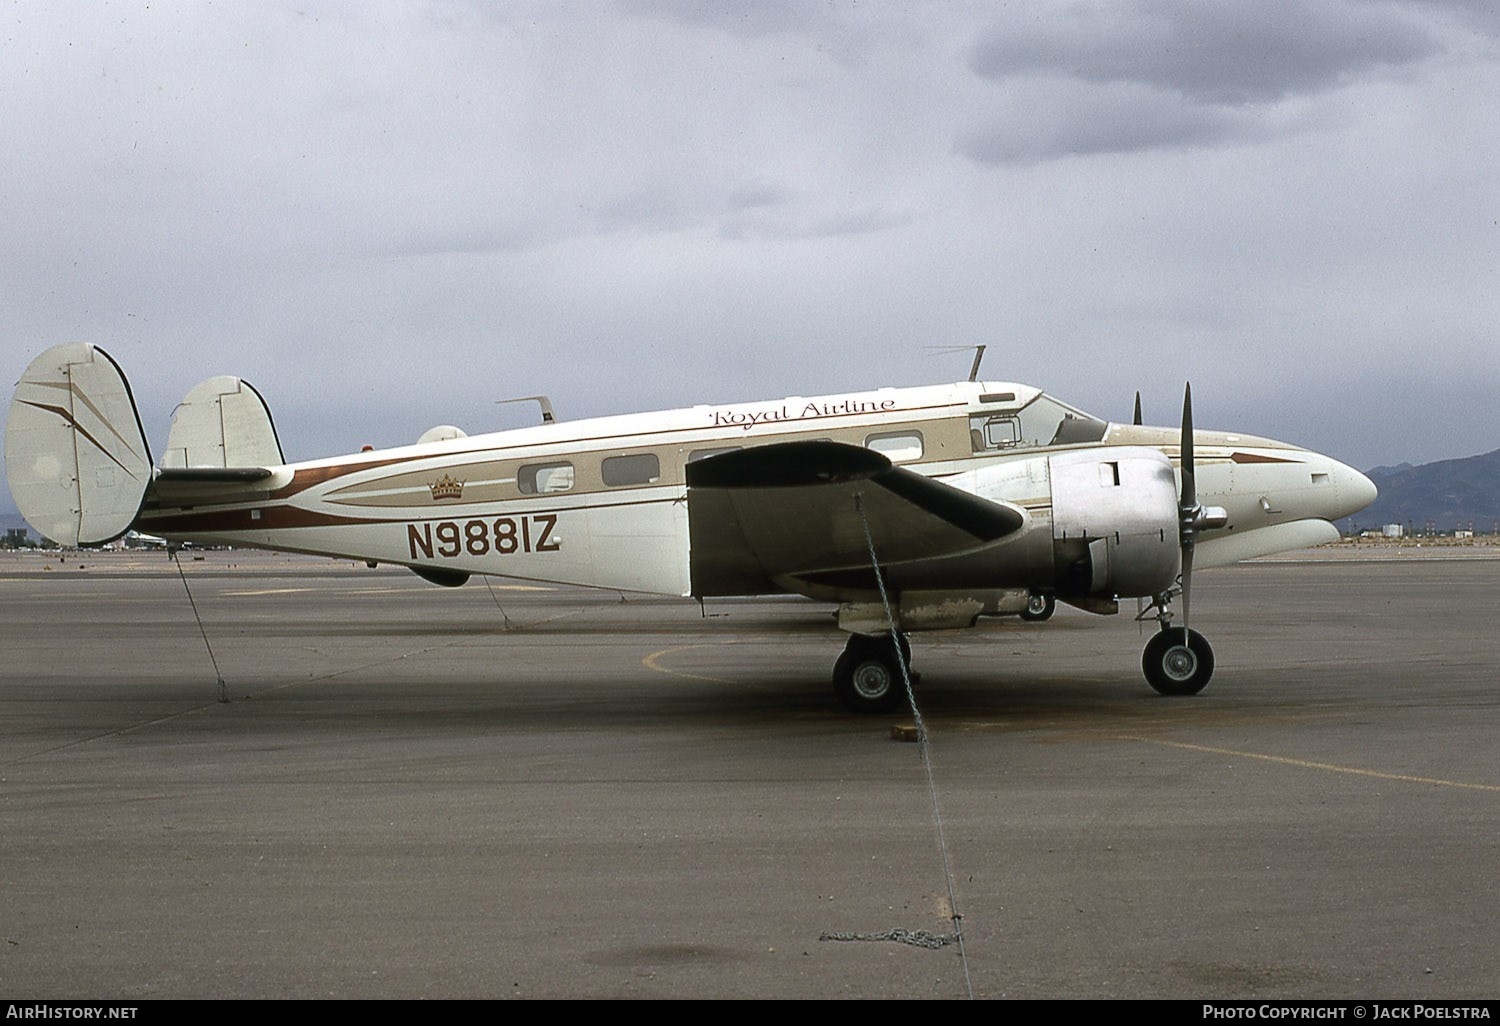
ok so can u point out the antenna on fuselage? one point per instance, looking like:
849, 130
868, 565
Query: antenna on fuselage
548, 417
978, 356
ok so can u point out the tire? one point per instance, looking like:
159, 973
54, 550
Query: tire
867, 677
1175, 668
1039, 608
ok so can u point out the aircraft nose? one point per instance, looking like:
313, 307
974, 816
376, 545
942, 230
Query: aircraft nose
1355, 490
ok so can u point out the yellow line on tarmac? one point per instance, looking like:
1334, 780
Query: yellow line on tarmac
651, 662
257, 592
1305, 764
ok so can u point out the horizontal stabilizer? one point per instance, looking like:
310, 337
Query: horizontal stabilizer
222, 422
75, 454
194, 486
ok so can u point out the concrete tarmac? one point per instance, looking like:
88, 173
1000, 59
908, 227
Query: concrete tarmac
497, 791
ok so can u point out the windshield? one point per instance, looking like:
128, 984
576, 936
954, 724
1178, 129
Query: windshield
1043, 421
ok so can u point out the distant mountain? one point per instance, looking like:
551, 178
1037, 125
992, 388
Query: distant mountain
1446, 494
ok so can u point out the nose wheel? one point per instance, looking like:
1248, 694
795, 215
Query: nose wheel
1178, 661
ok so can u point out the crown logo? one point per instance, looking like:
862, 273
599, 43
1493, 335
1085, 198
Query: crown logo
446, 487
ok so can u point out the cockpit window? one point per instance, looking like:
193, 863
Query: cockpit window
1043, 421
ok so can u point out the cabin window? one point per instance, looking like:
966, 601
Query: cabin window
897, 446
542, 478
703, 454
636, 469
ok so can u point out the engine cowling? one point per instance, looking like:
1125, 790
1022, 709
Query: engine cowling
1114, 522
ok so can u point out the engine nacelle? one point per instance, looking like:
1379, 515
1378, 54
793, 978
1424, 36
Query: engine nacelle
1114, 522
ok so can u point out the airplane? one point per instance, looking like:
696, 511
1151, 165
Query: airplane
908, 509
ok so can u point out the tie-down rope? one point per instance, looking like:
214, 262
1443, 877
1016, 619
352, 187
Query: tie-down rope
223, 688
922, 744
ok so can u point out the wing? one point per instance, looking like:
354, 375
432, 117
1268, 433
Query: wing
780, 517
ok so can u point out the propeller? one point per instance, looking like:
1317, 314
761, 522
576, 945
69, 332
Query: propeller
1140, 602
1192, 517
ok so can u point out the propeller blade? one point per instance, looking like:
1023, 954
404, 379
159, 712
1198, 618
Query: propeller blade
1189, 475
1187, 508
1137, 421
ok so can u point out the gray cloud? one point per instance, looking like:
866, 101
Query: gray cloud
1210, 51
1144, 75
1050, 119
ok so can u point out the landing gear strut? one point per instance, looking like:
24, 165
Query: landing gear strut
867, 678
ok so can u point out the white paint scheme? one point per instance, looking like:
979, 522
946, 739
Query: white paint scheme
637, 538
1004, 498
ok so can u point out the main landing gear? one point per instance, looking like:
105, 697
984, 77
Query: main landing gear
1177, 661
867, 678
1039, 607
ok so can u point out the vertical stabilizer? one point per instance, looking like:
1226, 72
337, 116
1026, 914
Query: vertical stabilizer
222, 422
75, 453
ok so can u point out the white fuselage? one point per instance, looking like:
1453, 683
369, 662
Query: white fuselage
603, 502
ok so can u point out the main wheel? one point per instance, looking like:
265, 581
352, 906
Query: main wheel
1039, 608
867, 677
1174, 666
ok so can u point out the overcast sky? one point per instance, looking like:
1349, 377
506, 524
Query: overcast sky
387, 216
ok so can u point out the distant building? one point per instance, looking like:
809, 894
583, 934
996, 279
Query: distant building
1393, 531
17, 538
